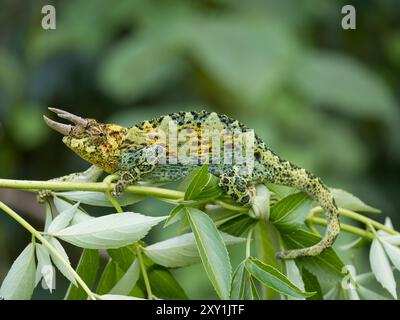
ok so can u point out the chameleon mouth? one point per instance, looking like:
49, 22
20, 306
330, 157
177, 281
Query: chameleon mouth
62, 128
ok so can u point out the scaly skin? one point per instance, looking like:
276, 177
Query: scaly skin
134, 154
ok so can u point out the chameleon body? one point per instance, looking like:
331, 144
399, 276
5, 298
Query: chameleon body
133, 154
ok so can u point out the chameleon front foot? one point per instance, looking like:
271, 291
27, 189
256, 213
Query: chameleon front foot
119, 188
125, 179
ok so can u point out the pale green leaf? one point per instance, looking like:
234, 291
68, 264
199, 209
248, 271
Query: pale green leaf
110, 231
62, 205
181, 250
19, 282
348, 201
94, 198
44, 267
63, 219
60, 264
392, 252
380, 266
368, 294
392, 239
49, 216
128, 281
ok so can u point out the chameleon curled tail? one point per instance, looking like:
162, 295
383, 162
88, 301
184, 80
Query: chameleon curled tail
313, 186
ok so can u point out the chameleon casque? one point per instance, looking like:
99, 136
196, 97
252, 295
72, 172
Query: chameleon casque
125, 152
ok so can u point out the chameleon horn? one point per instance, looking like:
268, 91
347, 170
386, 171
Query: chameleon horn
62, 128
69, 116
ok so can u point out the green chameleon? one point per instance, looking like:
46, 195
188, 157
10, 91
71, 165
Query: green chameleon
131, 155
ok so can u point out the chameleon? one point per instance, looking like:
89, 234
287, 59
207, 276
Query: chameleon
130, 155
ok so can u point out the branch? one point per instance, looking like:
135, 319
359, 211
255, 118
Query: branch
31, 185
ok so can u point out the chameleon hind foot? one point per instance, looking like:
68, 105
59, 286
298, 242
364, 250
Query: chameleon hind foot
238, 187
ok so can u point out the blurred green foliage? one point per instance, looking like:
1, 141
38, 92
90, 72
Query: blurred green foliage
320, 96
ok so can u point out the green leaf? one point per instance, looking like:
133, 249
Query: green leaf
212, 251
87, 269
254, 291
348, 201
60, 265
175, 215
327, 266
110, 231
294, 276
289, 213
112, 273
274, 279
44, 266
198, 183
123, 256
311, 284
238, 226
181, 250
163, 283
381, 268
239, 282
128, 281
203, 186
94, 198
19, 282
63, 219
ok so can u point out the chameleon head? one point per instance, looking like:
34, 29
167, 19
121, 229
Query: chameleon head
95, 142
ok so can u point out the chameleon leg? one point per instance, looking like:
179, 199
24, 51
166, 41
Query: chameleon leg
89, 175
134, 165
238, 186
